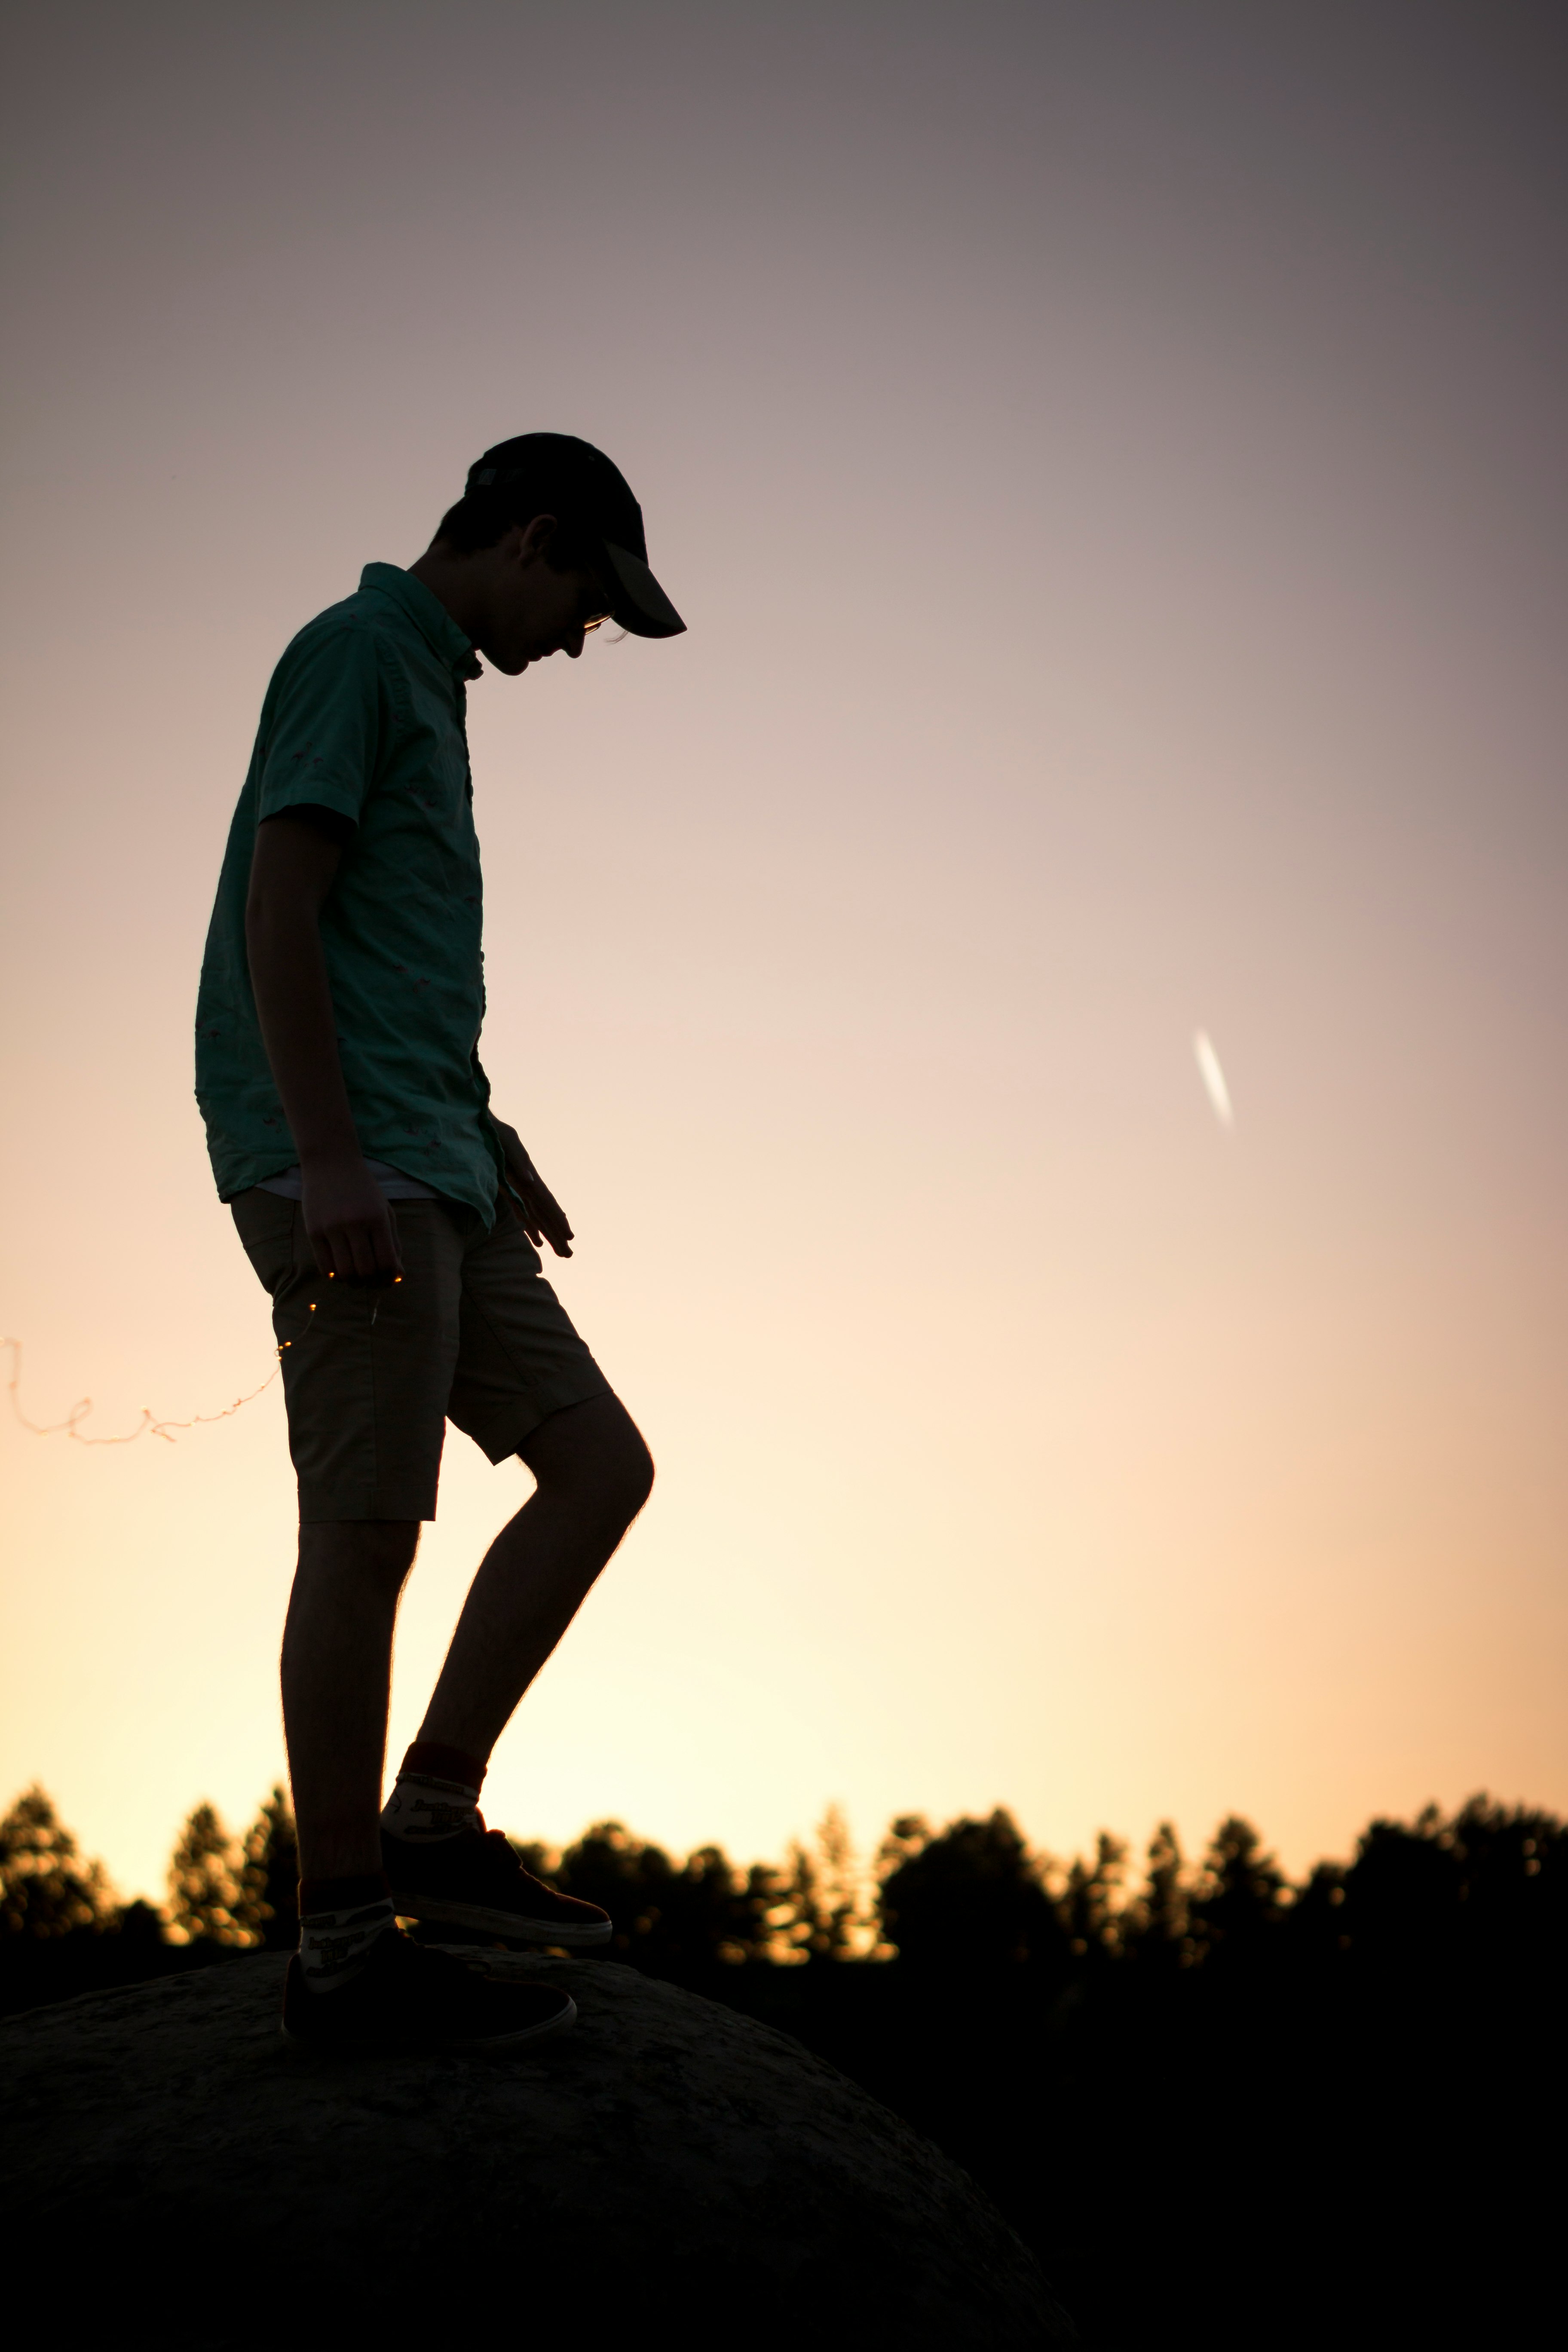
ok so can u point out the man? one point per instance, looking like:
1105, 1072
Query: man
393, 1219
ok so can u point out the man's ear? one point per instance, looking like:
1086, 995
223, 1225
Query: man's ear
534, 538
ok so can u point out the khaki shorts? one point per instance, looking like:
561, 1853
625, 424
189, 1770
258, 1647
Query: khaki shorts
473, 1334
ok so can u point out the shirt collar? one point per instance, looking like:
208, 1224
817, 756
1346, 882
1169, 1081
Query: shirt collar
426, 612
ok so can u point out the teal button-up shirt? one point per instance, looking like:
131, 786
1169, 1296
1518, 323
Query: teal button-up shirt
366, 715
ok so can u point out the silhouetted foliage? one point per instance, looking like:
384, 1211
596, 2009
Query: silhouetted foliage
1091, 1909
670, 1920
45, 1889
268, 1908
1297, 2077
239, 1897
206, 1885
1240, 1895
61, 1931
827, 1919
971, 1896
1154, 1932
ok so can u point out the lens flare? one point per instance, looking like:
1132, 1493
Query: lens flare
1212, 1077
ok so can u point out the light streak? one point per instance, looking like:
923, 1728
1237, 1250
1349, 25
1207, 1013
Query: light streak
1212, 1077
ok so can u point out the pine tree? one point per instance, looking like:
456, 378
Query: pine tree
44, 1890
206, 1890
1157, 1926
797, 1921
1241, 1891
1088, 1905
268, 1908
843, 1927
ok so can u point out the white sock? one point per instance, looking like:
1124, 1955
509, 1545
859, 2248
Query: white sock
335, 1945
426, 1810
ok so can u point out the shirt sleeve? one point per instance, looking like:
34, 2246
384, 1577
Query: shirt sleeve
324, 724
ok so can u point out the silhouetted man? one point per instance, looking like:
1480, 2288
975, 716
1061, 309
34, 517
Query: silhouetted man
393, 1217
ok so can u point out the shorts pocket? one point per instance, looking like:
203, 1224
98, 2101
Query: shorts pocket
265, 1223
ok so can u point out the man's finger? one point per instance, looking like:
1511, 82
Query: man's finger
340, 1244
378, 1263
552, 1217
357, 1250
519, 1198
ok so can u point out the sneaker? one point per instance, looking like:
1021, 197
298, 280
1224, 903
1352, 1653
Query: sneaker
476, 1881
407, 1999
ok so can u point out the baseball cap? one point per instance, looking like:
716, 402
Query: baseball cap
554, 472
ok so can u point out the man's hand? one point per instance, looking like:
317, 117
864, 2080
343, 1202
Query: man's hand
531, 1202
348, 1220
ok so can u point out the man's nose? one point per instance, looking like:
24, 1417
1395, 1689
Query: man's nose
573, 646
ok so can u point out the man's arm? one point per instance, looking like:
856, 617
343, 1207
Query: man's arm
531, 1202
346, 1217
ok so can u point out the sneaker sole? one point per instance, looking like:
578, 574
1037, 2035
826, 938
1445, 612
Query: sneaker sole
415, 2045
439, 1913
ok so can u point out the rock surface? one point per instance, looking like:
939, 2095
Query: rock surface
666, 2169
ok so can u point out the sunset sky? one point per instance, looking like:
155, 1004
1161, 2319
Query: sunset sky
1109, 458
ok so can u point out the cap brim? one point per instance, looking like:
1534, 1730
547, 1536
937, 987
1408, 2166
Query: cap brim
641, 606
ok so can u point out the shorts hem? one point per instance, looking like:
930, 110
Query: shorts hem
505, 1432
356, 1502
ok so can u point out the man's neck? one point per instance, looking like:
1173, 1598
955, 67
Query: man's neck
452, 583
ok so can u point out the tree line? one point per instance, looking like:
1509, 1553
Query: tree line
1226, 2108
972, 1895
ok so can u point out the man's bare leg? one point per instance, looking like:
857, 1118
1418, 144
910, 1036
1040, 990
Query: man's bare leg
356, 1984
593, 1475
336, 1674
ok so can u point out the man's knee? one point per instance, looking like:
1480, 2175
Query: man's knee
619, 1478
632, 1480
595, 1453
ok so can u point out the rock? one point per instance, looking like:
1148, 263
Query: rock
665, 2166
